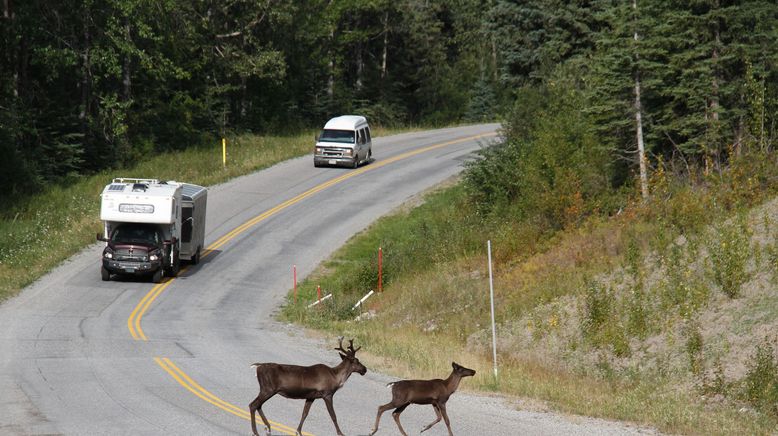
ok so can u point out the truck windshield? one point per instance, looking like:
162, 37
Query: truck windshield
137, 233
342, 136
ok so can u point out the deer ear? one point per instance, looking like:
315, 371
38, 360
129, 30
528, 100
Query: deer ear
454, 365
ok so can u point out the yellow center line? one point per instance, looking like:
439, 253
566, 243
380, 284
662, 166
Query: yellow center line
184, 380
134, 321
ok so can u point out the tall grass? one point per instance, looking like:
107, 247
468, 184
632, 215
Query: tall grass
609, 318
39, 232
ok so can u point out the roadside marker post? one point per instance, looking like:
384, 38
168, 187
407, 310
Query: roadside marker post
324, 298
362, 300
224, 152
318, 292
294, 281
491, 298
380, 265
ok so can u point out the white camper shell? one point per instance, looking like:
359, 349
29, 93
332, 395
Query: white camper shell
345, 140
149, 226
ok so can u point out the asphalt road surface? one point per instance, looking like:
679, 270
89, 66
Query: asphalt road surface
83, 356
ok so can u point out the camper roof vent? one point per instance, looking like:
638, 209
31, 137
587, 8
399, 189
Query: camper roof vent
139, 187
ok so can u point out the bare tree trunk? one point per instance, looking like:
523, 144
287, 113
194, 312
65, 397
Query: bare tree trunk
127, 67
714, 104
360, 67
386, 45
331, 66
12, 58
243, 84
641, 147
86, 75
494, 59
639, 120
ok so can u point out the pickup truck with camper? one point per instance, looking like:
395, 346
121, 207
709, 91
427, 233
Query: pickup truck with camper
150, 226
344, 141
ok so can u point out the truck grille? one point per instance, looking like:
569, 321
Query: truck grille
126, 256
334, 152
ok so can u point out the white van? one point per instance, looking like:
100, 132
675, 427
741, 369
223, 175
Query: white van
345, 140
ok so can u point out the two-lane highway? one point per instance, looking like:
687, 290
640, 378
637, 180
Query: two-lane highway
82, 356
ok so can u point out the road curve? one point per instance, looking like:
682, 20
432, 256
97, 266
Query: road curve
82, 356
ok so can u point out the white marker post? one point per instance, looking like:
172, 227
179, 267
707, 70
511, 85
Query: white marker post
491, 297
324, 298
362, 300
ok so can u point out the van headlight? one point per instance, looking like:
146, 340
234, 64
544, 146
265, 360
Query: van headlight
319, 150
348, 152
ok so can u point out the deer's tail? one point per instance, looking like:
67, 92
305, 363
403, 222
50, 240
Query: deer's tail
254, 365
390, 384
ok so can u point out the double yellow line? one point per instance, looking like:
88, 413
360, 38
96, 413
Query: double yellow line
192, 386
134, 321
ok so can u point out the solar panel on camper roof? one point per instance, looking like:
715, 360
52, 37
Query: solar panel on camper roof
116, 188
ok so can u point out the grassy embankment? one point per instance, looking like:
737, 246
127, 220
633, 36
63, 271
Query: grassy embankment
663, 314
39, 232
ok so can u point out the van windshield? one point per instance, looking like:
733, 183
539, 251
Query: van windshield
342, 136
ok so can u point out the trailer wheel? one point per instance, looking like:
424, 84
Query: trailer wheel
105, 274
157, 277
196, 258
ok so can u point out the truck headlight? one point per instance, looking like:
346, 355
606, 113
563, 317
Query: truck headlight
153, 258
108, 255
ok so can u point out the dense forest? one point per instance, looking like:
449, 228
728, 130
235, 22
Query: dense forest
88, 85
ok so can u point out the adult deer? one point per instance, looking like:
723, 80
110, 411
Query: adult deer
435, 392
304, 383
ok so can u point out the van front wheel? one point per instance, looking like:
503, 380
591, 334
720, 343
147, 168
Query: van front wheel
356, 161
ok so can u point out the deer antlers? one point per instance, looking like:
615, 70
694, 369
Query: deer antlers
351, 352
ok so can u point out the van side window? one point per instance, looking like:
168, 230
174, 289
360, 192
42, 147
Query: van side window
361, 136
367, 130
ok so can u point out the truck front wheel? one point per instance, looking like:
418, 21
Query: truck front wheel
157, 277
173, 270
105, 274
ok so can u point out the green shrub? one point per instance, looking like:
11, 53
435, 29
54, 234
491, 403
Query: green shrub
600, 323
694, 344
681, 288
638, 311
761, 381
729, 251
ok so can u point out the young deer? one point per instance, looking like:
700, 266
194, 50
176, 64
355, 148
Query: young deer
305, 383
435, 392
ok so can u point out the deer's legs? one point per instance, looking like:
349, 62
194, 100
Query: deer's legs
396, 416
328, 402
381, 410
256, 405
445, 417
437, 412
306, 408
